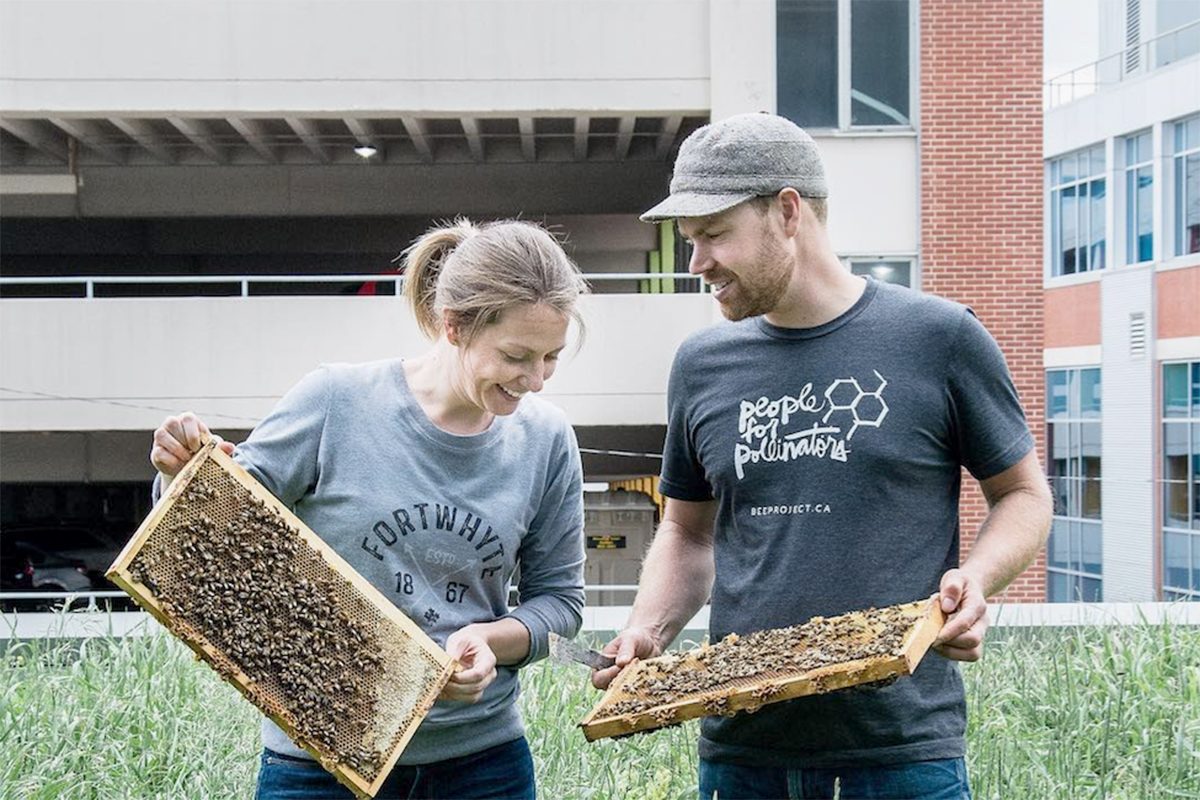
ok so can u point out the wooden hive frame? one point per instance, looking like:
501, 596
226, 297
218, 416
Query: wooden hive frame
402, 637
923, 620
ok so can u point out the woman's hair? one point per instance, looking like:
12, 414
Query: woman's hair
475, 272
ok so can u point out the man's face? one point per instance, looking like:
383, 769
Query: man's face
742, 257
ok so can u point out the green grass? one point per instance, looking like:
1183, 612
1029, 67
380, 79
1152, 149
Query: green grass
1079, 713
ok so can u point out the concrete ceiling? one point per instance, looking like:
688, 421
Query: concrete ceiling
57, 141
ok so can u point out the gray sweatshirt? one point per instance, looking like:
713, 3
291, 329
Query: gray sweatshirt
438, 522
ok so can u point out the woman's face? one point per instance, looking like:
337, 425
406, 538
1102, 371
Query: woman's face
514, 355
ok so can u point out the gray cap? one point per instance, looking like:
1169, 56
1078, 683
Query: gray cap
731, 161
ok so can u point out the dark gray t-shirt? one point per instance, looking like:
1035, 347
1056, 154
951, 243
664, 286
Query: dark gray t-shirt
834, 454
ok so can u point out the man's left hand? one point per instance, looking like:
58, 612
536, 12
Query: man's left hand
963, 601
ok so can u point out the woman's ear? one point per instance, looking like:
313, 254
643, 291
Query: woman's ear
450, 326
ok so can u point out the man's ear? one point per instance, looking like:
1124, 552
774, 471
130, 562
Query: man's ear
791, 206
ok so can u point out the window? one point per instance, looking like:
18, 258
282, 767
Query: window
1139, 199
889, 271
1077, 194
1187, 186
1074, 553
1181, 481
872, 68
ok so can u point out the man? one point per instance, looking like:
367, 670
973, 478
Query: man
812, 466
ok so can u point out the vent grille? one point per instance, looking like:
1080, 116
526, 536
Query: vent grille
1133, 35
1137, 335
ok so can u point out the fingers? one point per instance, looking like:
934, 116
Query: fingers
177, 439
953, 586
629, 646
971, 616
477, 671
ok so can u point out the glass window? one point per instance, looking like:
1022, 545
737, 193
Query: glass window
1181, 481
1074, 558
898, 272
1077, 197
878, 62
809, 65
807, 62
1139, 199
1187, 186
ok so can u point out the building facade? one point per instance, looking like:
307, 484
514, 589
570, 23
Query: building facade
202, 201
1122, 310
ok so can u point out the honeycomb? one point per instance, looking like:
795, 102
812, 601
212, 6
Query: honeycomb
743, 673
279, 615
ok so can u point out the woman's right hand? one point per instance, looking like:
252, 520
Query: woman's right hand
176, 440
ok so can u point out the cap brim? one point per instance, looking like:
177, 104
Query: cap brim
693, 204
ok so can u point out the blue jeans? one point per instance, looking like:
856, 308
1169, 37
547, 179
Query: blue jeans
501, 772
915, 780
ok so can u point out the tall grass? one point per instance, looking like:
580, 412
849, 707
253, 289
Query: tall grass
1073, 713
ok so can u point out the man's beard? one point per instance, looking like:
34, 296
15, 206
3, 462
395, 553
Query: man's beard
770, 283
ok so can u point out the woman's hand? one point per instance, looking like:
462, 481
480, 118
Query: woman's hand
477, 663
176, 440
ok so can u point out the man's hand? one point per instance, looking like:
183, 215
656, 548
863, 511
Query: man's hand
471, 650
629, 644
962, 598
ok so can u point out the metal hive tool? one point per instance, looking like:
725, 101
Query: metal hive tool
279, 615
745, 673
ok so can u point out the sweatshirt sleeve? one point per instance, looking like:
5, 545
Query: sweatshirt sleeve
282, 452
551, 558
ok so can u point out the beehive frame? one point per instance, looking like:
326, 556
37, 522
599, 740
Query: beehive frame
402, 639
922, 619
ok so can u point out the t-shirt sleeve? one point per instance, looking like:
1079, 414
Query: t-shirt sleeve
682, 475
551, 558
989, 424
283, 450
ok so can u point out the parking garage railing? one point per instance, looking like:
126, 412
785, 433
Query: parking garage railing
157, 286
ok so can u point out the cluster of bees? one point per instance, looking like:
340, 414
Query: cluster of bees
775, 653
247, 586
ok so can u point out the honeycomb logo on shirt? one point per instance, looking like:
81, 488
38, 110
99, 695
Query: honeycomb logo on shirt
808, 425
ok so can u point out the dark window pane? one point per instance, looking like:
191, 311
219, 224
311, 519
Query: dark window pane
1068, 235
1091, 590
1175, 560
1196, 389
879, 62
1058, 587
1187, 204
1097, 225
1175, 390
1175, 503
1092, 549
1058, 548
806, 62
1056, 393
1145, 213
1076, 546
897, 272
1089, 392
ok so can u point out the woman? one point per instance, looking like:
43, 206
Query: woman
434, 477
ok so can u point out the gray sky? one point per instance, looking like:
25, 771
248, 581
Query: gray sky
1071, 35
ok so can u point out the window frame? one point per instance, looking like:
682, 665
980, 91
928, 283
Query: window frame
844, 75
1176, 187
1190, 530
1074, 521
1055, 186
1130, 171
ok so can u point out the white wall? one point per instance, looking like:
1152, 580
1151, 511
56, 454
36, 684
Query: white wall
127, 362
1126, 107
873, 193
1127, 440
311, 56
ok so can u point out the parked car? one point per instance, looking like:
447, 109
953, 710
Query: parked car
74, 547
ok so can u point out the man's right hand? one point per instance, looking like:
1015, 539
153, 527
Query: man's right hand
629, 644
176, 440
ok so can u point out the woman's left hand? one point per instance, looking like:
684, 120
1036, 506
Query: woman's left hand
477, 666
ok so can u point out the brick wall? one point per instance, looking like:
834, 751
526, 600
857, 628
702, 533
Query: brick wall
981, 194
